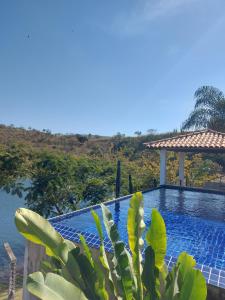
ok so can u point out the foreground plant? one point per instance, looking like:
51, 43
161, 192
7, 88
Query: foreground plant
70, 274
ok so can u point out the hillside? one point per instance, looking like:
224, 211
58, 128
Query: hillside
76, 143
76, 167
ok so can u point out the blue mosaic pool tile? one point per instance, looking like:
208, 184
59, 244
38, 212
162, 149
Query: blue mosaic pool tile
192, 226
213, 276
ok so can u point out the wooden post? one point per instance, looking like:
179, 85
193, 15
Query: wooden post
34, 254
12, 274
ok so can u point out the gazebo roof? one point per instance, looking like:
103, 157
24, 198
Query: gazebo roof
195, 141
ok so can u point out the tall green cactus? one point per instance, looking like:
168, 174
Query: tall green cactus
80, 276
130, 184
118, 179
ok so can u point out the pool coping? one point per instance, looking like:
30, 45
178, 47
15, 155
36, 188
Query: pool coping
213, 276
192, 189
96, 206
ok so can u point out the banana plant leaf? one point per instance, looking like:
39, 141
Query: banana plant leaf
52, 287
135, 228
39, 231
103, 258
150, 275
156, 238
121, 262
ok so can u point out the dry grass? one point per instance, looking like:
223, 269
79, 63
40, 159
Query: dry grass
4, 288
4, 294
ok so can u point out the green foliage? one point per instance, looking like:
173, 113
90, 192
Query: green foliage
156, 238
57, 173
53, 186
82, 138
85, 276
15, 167
121, 259
135, 228
150, 275
55, 183
95, 191
53, 287
38, 230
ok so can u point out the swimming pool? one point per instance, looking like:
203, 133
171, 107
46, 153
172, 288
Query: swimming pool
195, 223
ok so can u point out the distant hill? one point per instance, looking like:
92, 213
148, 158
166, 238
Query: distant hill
76, 143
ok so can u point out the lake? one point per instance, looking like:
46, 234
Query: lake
8, 231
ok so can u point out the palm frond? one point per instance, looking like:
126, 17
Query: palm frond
208, 96
198, 119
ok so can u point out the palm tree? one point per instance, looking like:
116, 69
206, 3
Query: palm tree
209, 110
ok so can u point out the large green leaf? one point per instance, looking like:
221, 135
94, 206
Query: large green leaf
39, 231
87, 251
87, 272
194, 286
172, 290
184, 282
100, 289
52, 287
51, 265
156, 238
71, 270
186, 263
103, 257
135, 228
191, 282
150, 275
121, 263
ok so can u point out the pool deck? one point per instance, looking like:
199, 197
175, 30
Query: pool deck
213, 276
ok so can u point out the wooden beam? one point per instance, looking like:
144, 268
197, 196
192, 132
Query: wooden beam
9, 252
12, 272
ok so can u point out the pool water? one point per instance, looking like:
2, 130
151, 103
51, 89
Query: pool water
195, 223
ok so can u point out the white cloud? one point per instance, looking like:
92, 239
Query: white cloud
145, 12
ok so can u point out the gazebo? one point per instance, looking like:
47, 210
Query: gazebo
209, 141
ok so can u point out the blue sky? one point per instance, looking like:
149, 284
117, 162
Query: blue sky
107, 66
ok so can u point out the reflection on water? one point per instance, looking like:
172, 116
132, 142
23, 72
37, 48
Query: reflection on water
117, 213
205, 205
162, 199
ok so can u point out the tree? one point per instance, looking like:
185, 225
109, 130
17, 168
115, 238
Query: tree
209, 110
95, 191
53, 185
15, 167
151, 131
82, 138
138, 133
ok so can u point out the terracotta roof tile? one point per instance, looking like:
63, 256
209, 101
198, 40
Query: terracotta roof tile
204, 140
